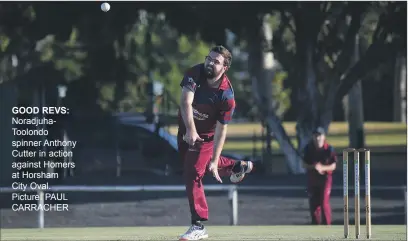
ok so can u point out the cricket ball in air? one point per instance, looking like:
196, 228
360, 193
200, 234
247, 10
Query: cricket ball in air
105, 7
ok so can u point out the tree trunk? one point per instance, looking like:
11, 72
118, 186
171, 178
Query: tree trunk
262, 66
307, 95
269, 68
355, 115
400, 90
293, 158
346, 110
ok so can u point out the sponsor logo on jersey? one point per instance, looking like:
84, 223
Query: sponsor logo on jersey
199, 116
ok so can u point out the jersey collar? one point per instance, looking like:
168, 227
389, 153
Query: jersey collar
224, 82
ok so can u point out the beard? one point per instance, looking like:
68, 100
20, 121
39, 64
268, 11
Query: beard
209, 71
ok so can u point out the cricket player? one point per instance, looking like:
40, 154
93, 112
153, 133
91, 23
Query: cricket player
206, 108
320, 160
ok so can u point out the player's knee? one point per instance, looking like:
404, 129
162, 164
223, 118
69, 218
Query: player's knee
326, 201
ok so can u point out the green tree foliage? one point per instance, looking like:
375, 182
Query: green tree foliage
280, 93
108, 52
154, 51
242, 82
24, 46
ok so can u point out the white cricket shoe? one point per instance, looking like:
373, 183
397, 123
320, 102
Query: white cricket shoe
246, 167
195, 233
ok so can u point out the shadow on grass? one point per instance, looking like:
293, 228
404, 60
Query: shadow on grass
298, 181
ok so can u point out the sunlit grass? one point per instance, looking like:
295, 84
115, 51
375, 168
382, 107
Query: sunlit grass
335, 128
371, 140
377, 134
335, 232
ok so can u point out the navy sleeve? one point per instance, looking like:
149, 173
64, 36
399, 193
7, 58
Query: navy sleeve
227, 107
189, 81
333, 155
307, 157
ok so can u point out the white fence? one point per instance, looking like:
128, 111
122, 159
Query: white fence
231, 189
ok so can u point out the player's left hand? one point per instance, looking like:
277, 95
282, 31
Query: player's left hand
213, 167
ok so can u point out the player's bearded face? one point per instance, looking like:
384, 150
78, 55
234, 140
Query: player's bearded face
209, 70
213, 65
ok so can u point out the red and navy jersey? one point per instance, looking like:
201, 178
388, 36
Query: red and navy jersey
325, 156
210, 104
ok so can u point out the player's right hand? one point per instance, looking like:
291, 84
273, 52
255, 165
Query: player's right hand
191, 137
319, 168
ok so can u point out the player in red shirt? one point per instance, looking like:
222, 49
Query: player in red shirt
320, 161
207, 106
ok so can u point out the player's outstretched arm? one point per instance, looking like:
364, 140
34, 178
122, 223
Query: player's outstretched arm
219, 139
226, 111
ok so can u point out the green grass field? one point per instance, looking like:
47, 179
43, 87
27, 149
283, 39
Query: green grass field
377, 134
335, 128
216, 233
339, 142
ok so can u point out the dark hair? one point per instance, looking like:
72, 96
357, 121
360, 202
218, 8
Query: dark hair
225, 53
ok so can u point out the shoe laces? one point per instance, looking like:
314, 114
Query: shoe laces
193, 228
244, 168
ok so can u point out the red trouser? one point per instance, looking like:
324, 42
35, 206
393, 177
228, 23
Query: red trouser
196, 160
319, 201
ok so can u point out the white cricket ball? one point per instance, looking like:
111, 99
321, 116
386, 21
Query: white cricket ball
105, 7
